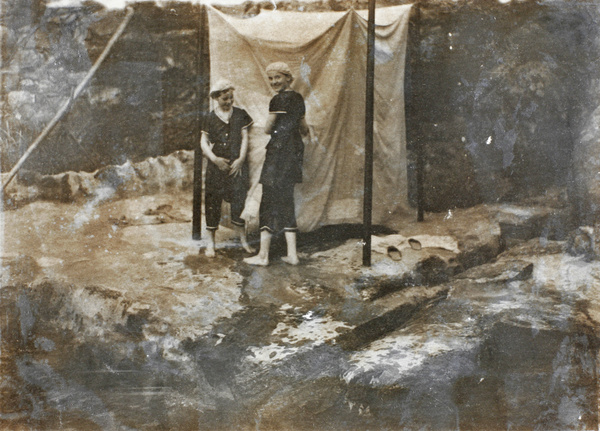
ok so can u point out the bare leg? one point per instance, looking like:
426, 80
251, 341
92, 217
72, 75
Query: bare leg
292, 255
262, 258
241, 231
210, 247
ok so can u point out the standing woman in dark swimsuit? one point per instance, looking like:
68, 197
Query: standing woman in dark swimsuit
224, 143
282, 168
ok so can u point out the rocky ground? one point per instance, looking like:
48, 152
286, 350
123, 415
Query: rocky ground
483, 318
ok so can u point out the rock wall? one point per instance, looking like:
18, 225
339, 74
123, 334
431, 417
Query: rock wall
493, 97
150, 176
499, 96
144, 101
585, 185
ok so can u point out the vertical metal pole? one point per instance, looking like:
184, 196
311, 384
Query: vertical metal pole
420, 181
420, 144
368, 192
203, 80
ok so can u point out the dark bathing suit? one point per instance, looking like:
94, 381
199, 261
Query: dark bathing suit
283, 163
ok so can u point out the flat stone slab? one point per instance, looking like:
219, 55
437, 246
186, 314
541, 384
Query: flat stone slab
396, 309
504, 270
520, 223
386, 314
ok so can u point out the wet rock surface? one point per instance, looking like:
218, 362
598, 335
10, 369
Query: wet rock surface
111, 319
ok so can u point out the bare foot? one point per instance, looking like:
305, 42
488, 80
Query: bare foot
290, 260
256, 260
210, 252
248, 248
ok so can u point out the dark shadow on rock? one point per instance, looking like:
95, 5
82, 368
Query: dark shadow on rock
328, 237
548, 376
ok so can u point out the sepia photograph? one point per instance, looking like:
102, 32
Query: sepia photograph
294, 215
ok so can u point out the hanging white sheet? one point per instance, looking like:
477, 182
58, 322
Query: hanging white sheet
327, 54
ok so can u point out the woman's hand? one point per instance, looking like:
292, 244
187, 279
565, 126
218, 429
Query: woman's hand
236, 167
304, 129
222, 164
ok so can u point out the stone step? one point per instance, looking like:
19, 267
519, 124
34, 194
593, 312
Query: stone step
505, 271
395, 310
390, 313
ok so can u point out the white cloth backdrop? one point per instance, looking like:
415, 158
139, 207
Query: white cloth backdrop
327, 54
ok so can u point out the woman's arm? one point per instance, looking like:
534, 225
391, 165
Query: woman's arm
270, 122
221, 163
304, 127
236, 166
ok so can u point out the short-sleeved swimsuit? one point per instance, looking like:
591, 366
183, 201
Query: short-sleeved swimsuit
226, 138
283, 163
